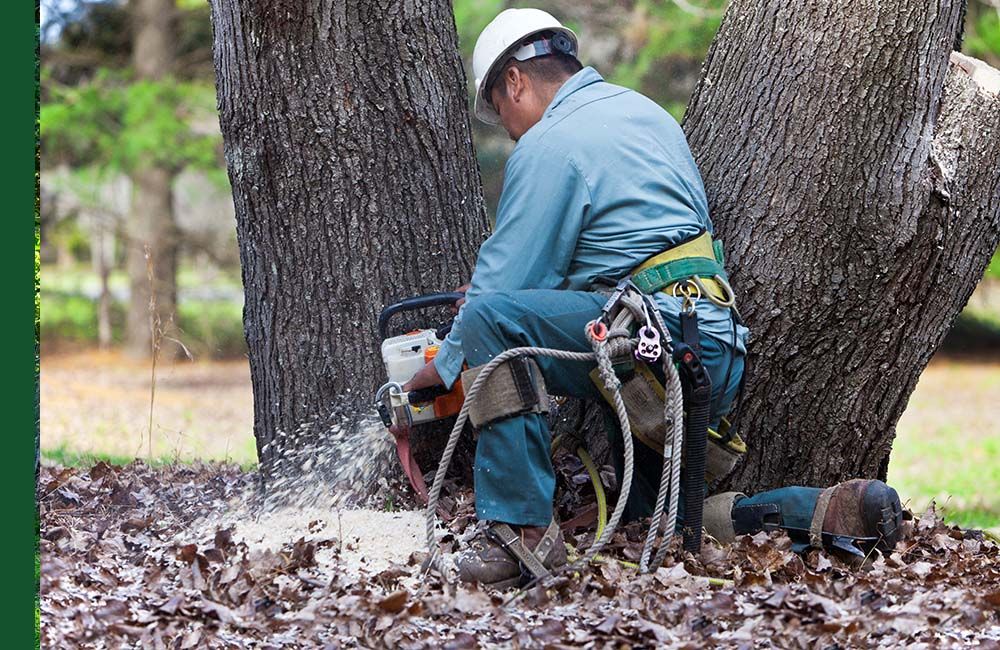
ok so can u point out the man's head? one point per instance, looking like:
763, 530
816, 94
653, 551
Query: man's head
521, 59
523, 90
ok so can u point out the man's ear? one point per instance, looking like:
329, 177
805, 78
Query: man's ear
515, 83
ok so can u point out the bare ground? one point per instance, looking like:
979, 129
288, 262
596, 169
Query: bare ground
947, 446
99, 403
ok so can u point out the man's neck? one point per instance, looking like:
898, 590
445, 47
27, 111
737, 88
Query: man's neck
549, 91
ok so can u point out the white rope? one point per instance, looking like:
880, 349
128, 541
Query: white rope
619, 334
456, 432
611, 382
670, 477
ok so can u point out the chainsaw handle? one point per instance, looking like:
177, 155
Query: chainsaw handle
414, 303
423, 395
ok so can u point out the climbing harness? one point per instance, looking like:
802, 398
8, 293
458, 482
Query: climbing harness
627, 340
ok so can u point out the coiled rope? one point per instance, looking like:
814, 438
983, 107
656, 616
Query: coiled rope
617, 342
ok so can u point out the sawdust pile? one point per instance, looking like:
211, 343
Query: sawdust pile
129, 559
366, 540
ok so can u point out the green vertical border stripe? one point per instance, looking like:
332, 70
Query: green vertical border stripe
36, 415
19, 189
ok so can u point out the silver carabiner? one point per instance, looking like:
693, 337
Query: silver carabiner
730, 299
689, 296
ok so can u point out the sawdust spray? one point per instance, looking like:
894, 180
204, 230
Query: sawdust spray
352, 464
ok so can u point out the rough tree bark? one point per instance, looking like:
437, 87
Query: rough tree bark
151, 231
347, 141
854, 176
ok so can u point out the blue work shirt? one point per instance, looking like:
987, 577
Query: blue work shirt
604, 181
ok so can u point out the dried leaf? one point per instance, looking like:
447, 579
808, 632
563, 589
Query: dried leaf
777, 598
187, 553
170, 607
223, 539
550, 630
394, 602
127, 565
220, 611
113, 609
608, 624
929, 519
921, 569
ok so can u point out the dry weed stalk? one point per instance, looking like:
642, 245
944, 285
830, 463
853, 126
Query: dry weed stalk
156, 339
157, 330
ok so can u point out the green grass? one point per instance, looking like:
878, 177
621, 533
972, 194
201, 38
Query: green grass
947, 447
67, 457
974, 518
209, 328
993, 270
79, 277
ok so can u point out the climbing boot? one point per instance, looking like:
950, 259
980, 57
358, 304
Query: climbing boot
865, 512
501, 557
854, 516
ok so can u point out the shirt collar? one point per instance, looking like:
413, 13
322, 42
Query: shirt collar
581, 79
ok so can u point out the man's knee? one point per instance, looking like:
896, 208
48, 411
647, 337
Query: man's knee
487, 308
487, 326
477, 312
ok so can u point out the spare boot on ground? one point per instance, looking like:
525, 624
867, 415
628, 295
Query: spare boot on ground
855, 516
504, 558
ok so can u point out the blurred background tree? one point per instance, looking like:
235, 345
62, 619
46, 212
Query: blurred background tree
128, 107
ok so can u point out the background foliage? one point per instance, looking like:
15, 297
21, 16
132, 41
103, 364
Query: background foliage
98, 121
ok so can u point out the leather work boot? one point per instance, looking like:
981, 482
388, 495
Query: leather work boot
504, 558
865, 510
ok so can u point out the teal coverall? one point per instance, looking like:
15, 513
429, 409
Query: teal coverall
601, 183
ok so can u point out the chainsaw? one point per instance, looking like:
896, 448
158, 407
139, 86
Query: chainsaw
403, 356
402, 411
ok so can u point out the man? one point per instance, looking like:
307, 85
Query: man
600, 181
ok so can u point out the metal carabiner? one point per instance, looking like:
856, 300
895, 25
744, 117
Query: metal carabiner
689, 294
730, 299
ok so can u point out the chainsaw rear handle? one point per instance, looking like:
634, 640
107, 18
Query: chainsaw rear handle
423, 395
414, 303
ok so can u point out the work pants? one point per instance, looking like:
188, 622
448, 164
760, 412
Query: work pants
514, 479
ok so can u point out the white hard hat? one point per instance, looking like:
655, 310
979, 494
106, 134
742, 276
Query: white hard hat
499, 42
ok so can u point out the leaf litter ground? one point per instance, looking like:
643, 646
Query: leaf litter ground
188, 557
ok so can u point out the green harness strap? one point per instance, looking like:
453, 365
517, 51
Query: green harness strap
698, 256
665, 274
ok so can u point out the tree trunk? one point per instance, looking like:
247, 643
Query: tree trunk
102, 244
855, 179
348, 146
152, 233
152, 262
